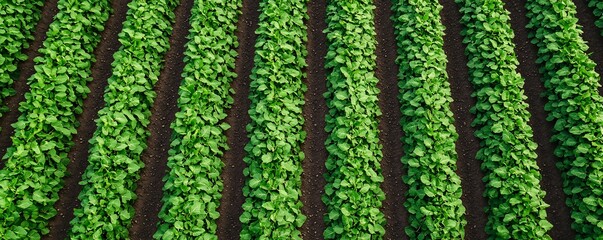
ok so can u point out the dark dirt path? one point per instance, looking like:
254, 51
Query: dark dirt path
149, 190
558, 213
390, 131
467, 145
78, 156
26, 69
315, 109
592, 35
229, 226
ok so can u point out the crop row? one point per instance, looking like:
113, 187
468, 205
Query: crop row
352, 195
576, 108
193, 184
434, 196
597, 7
508, 152
110, 179
18, 21
37, 160
272, 207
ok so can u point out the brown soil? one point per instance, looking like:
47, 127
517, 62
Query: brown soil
78, 156
150, 186
315, 109
26, 69
592, 35
390, 130
558, 213
467, 145
229, 226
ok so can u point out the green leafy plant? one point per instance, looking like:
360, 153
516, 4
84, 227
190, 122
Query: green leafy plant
597, 7
434, 195
110, 179
37, 160
352, 195
575, 106
18, 19
508, 152
193, 186
272, 190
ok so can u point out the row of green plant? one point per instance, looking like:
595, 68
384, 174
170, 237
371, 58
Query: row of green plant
272, 207
597, 7
434, 195
352, 195
193, 184
18, 19
37, 160
576, 108
109, 181
516, 207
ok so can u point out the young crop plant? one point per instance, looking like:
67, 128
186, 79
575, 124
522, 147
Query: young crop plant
272, 208
18, 21
352, 195
575, 107
597, 6
109, 181
193, 184
37, 160
434, 195
516, 207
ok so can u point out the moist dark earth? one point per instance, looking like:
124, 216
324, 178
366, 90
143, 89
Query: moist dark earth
149, 191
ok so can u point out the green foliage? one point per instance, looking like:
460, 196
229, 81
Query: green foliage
597, 6
110, 179
508, 152
272, 208
193, 185
352, 195
576, 108
434, 195
18, 19
37, 160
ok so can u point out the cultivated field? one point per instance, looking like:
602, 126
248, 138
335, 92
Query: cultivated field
313, 119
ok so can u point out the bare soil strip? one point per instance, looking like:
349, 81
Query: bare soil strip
315, 109
390, 130
229, 226
592, 35
558, 213
150, 185
467, 145
78, 156
26, 69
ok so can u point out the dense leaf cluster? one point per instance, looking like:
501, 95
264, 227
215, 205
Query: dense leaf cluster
576, 108
18, 19
597, 7
434, 195
272, 208
193, 186
37, 160
110, 179
508, 152
352, 195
